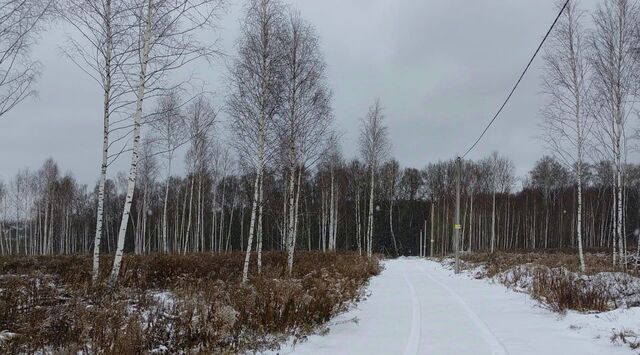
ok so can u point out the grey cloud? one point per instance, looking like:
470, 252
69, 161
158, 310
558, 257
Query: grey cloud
440, 67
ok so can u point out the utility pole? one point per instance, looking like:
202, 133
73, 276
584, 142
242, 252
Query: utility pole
420, 245
424, 236
457, 227
431, 244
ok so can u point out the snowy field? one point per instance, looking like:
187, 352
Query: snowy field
420, 307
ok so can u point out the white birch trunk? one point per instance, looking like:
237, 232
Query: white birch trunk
290, 223
295, 227
335, 222
393, 236
358, 224
331, 214
165, 224
370, 223
493, 223
117, 261
187, 236
579, 227
259, 227
252, 224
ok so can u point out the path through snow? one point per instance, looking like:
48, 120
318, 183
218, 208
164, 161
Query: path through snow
419, 307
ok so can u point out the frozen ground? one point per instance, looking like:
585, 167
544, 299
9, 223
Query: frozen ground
419, 307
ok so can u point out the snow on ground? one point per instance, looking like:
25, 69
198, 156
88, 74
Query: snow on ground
420, 307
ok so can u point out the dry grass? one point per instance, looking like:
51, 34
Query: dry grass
626, 337
497, 262
171, 303
554, 278
562, 290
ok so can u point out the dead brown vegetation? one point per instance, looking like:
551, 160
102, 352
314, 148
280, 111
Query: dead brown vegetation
596, 261
172, 303
563, 291
554, 279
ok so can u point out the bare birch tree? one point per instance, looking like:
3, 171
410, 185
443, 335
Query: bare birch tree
303, 124
166, 41
501, 180
391, 175
567, 124
614, 67
148, 171
332, 159
169, 126
356, 177
255, 90
101, 47
20, 21
374, 148
201, 120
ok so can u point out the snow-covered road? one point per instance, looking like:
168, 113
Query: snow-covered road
419, 307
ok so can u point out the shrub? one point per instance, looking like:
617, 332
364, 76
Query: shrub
562, 290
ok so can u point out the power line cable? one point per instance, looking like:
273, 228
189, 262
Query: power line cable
519, 80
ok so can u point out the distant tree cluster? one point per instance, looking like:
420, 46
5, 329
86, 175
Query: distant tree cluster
44, 212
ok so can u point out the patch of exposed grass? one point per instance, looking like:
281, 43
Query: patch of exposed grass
626, 337
554, 279
171, 303
563, 290
500, 261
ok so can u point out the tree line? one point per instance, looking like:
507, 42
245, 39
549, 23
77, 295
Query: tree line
45, 212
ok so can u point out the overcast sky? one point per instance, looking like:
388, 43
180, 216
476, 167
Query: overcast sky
441, 69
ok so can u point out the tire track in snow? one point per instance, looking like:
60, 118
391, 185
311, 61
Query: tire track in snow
413, 344
492, 340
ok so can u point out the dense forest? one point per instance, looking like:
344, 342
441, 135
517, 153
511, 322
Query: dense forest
45, 212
